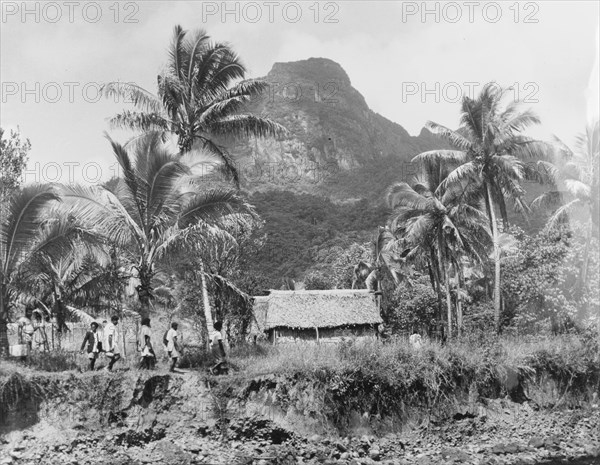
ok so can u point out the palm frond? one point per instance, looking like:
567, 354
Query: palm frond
99, 209
129, 92
444, 156
135, 121
211, 206
247, 126
20, 223
456, 139
561, 214
402, 194
81, 314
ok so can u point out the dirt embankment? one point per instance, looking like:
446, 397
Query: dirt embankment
133, 418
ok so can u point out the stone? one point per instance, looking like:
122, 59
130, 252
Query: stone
536, 442
374, 453
341, 447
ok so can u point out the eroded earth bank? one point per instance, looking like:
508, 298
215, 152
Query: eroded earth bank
134, 418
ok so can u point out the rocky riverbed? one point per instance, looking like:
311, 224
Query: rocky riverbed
131, 418
501, 433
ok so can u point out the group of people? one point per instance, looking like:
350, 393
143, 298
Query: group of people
107, 341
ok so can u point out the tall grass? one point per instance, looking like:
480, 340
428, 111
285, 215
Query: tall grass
379, 378
398, 359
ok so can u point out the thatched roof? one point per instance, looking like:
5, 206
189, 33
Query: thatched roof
316, 309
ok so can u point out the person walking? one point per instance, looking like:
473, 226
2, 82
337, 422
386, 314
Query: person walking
25, 334
173, 347
145, 344
218, 350
111, 334
92, 340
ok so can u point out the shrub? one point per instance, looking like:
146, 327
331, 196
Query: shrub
57, 360
413, 309
195, 357
315, 280
541, 281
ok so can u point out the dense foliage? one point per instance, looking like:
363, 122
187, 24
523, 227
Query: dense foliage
304, 231
542, 284
13, 159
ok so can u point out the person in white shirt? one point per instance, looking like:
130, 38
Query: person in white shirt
111, 334
145, 345
416, 341
173, 348
217, 349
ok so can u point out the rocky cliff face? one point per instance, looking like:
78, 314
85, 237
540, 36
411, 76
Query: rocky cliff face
332, 129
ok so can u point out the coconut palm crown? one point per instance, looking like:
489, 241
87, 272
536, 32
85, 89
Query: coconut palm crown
439, 221
201, 94
491, 150
156, 203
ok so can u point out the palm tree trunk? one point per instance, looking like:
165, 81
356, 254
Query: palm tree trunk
584, 268
586, 256
3, 322
459, 287
60, 313
503, 214
144, 290
448, 298
438, 286
446, 277
431, 277
494, 226
206, 301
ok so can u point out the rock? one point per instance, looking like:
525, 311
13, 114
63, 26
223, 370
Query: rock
498, 449
341, 447
536, 442
512, 448
374, 453
315, 438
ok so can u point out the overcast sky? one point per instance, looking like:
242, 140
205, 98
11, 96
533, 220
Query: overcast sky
402, 57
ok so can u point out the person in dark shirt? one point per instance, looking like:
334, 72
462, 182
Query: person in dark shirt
92, 339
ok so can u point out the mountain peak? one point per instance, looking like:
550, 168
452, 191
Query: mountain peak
316, 69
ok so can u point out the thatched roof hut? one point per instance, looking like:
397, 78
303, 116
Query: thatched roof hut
316, 309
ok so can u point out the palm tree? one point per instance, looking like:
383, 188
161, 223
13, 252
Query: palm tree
25, 233
200, 96
81, 278
576, 181
155, 205
440, 221
490, 150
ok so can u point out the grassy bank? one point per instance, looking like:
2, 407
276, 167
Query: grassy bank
386, 379
373, 378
